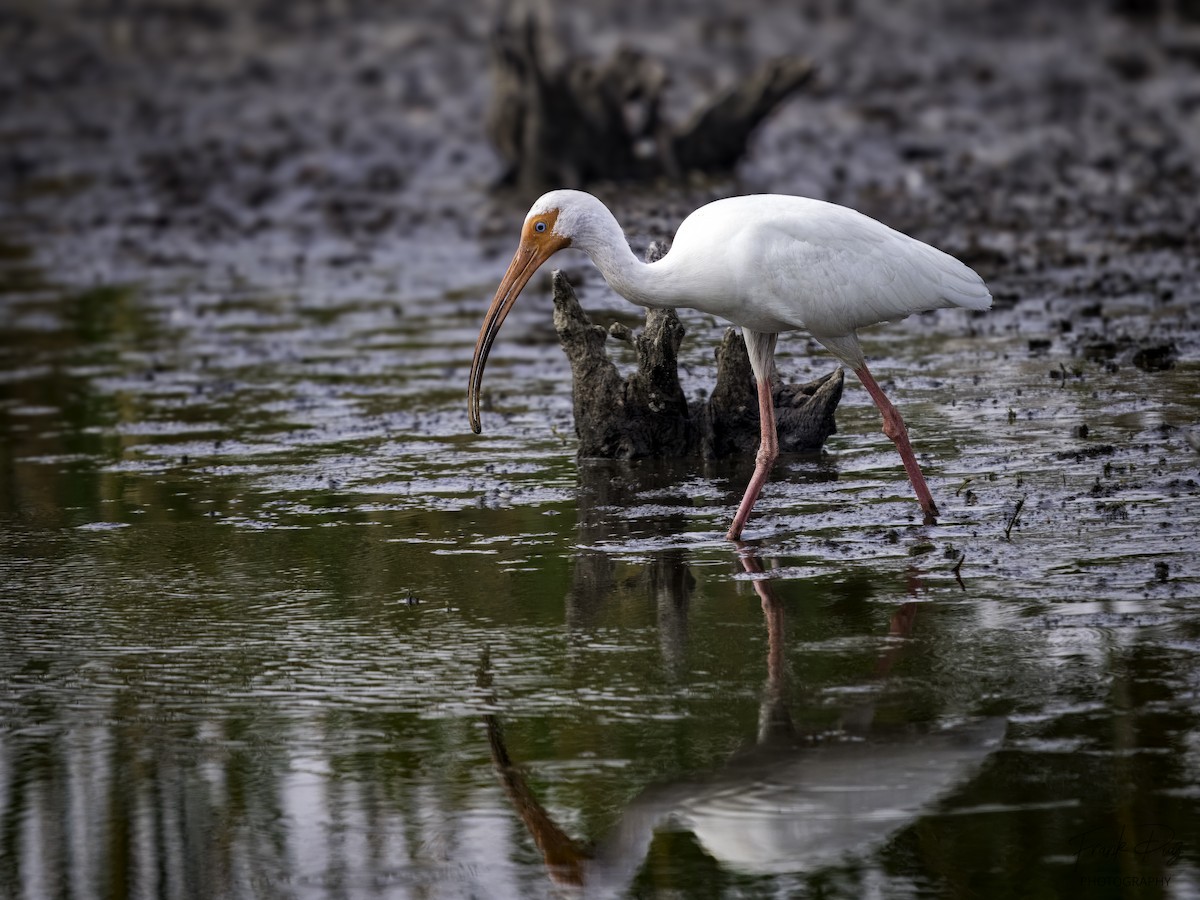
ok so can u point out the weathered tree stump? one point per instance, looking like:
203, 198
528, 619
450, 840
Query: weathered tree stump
587, 121
646, 414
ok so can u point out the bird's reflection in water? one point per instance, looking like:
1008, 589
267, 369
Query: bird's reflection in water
565, 857
786, 803
608, 490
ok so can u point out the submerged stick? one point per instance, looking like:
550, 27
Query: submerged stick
1012, 520
957, 570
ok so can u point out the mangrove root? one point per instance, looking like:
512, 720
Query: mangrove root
646, 414
586, 121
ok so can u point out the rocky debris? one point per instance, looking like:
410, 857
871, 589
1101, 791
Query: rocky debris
1155, 358
1147, 355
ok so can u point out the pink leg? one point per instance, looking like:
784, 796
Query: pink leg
893, 427
768, 452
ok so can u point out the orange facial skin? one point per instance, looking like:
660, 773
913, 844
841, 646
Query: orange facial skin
538, 244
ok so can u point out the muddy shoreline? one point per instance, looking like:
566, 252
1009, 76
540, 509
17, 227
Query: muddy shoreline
1055, 150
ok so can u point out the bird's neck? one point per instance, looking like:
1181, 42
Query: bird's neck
636, 281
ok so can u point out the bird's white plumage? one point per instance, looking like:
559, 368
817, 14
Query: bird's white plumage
769, 263
773, 263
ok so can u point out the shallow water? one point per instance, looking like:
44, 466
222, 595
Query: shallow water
274, 623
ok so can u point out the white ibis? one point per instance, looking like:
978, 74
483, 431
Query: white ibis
768, 263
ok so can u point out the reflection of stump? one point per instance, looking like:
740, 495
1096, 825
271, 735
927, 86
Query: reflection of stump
585, 121
646, 414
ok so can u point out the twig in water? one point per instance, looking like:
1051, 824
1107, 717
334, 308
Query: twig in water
1012, 520
957, 570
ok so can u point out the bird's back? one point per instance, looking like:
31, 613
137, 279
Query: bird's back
786, 263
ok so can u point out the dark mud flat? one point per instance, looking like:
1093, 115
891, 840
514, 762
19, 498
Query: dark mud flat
273, 623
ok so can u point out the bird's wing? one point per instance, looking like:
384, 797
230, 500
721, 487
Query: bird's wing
836, 270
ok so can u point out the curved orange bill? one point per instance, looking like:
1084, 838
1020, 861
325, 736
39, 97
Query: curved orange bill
529, 256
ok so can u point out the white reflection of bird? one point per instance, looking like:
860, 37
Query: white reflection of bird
768, 263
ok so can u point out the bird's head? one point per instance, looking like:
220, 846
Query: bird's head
551, 224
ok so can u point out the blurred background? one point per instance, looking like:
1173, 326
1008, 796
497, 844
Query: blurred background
257, 137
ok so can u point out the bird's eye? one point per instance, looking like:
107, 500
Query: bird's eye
539, 226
